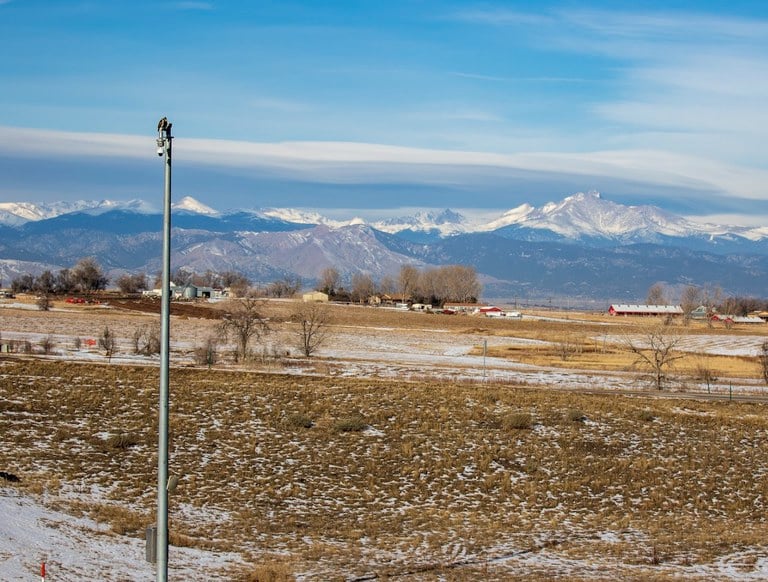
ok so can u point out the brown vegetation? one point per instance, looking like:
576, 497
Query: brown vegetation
347, 478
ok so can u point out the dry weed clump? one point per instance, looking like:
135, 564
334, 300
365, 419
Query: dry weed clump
518, 421
271, 572
122, 441
299, 420
576, 415
435, 479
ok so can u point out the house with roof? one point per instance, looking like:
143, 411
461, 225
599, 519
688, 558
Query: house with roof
645, 310
315, 297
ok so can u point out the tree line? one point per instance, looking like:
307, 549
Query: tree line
434, 286
86, 276
713, 298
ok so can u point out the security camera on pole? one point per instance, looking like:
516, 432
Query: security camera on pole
164, 140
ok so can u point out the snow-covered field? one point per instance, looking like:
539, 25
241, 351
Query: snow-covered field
78, 549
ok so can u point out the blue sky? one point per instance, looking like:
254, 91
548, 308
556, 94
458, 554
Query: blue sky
381, 105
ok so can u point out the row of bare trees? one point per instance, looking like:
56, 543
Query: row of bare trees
86, 276
247, 325
714, 299
436, 286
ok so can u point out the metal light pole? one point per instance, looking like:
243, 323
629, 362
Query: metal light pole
164, 139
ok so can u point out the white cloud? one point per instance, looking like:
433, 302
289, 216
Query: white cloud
367, 162
730, 218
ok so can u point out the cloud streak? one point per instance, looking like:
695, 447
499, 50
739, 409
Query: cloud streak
349, 162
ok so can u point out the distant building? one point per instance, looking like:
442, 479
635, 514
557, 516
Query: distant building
645, 310
737, 318
464, 307
315, 297
701, 312
395, 299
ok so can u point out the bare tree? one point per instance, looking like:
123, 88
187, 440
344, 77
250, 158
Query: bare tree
207, 354
656, 295
461, 284
46, 283
763, 358
329, 281
408, 280
690, 299
88, 275
567, 347
65, 282
245, 323
712, 296
705, 373
47, 345
654, 348
146, 340
448, 283
237, 283
285, 287
108, 343
313, 320
132, 283
362, 287
388, 285
44, 302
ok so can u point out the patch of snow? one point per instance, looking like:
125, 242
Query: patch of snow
75, 548
189, 204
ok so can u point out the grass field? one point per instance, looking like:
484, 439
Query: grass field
325, 477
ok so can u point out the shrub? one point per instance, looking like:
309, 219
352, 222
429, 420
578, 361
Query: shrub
122, 441
646, 415
108, 342
47, 345
352, 423
207, 354
270, 573
299, 420
146, 340
518, 421
576, 415
44, 302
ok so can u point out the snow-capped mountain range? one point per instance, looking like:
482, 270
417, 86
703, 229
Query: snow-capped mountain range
583, 246
576, 217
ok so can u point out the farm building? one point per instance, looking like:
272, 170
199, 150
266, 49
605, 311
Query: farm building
463, 307
737, 318
395, 299
647, 310
701, 312
315, 297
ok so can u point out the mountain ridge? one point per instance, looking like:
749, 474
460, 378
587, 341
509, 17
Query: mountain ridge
581, 246
581, 216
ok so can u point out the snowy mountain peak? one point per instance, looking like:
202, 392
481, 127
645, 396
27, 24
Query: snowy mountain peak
297, 216
447, 222
189, 204
591, 215
18, 213
578, 216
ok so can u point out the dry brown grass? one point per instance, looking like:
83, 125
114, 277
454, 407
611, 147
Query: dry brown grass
578, 346
435, 480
